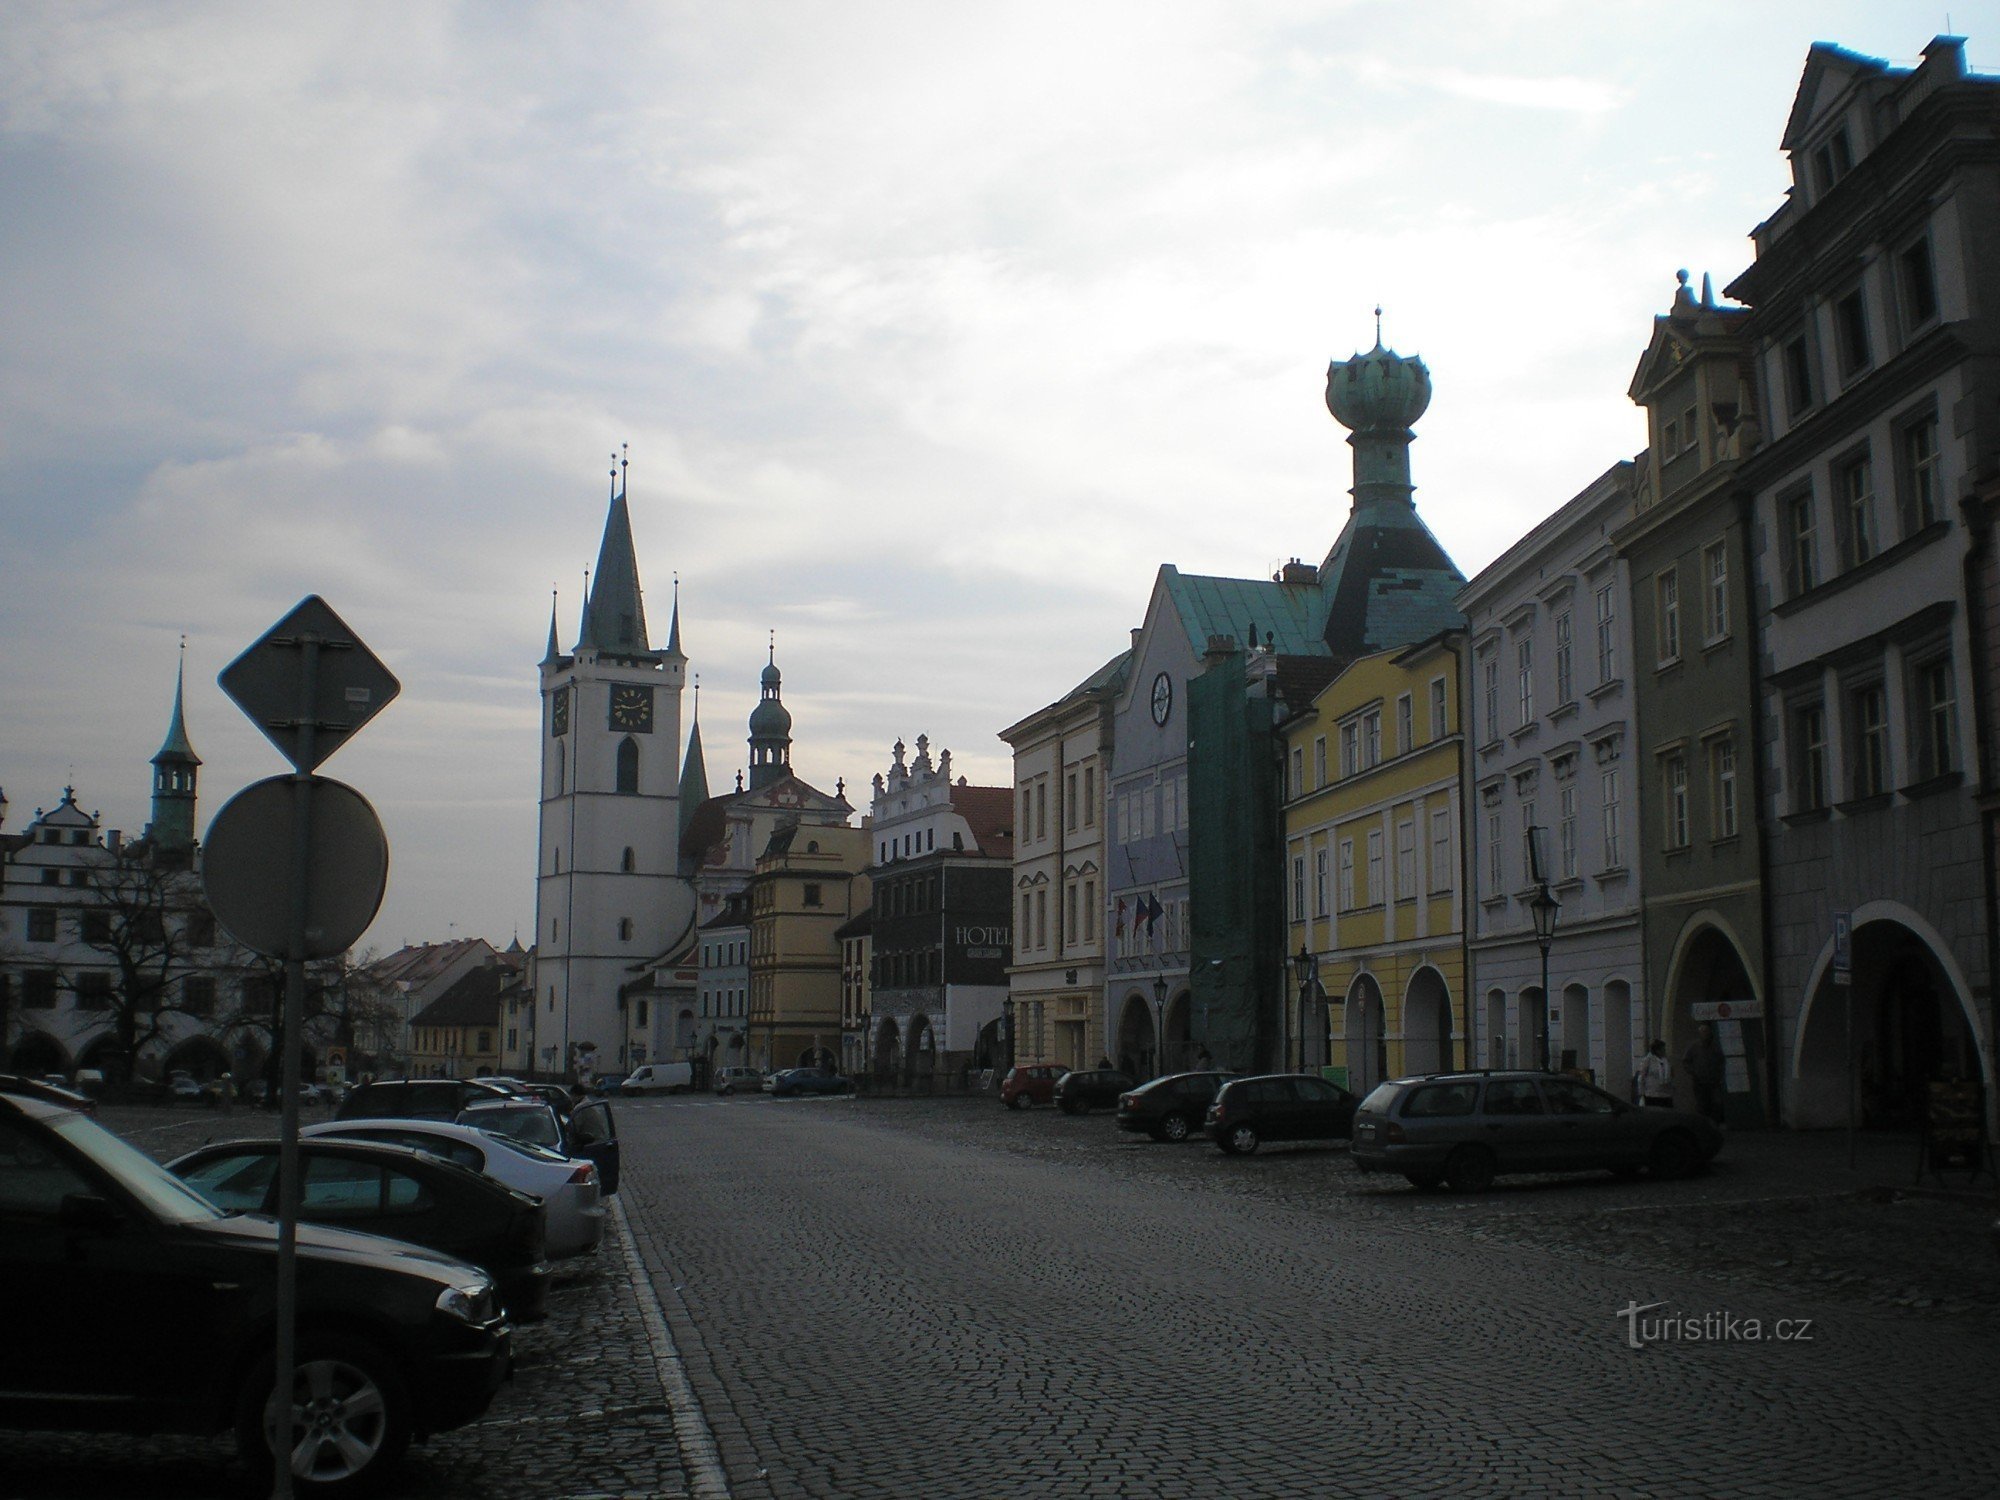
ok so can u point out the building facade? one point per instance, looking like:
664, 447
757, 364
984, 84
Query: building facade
809, 883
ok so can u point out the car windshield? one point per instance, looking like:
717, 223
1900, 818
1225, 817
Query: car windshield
536, 1126
136, 1172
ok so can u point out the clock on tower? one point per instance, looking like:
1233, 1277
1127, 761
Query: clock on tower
632, 708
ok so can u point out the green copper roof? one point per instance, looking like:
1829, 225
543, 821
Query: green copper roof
1387, 582
694, 779
614, 618
1291, 614
178, 748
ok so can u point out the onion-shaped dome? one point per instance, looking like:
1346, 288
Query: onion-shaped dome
770, 719
1380, 391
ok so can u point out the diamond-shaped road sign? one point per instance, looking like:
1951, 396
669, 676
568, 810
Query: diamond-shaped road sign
309, 669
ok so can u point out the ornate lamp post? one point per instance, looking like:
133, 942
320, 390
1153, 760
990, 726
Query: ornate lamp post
1544, 907
1160, 1025
1308, 967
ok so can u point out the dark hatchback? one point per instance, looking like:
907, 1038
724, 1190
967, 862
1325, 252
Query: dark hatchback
1170, 1108
392, 1191
1090, 1088
1278, 1107
417, 1098
131, 1269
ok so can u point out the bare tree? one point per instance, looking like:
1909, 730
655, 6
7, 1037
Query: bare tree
146, 918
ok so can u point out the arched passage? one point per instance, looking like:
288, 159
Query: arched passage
1367, 1040
888, 1042
203, 1057
1427, 1023
1178, 1055
1136, 1042
1496, 1028
1709, 976
1912, 1027
920, 1053
1618, 1063
38, 1053
1573, 1051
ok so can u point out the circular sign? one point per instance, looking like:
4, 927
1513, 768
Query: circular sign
248, 860
1163, 698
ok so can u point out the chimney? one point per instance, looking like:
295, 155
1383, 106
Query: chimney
1302, 573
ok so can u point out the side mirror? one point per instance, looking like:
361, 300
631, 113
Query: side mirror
88, 1212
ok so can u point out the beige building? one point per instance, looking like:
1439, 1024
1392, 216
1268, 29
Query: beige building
809, 883
1056, 982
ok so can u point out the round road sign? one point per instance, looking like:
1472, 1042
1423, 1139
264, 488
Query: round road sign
248, 859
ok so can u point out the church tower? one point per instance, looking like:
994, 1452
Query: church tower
175, 769
770, 729
608, 893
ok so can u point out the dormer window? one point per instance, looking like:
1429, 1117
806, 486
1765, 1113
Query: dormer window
1798, 377
1917, 284
1850, 334
1832, 161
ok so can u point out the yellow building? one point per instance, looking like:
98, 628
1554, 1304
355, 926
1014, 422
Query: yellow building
809, 883
1374, 877
458, 1034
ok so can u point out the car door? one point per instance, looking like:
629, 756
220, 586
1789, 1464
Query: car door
593, 1135
1517, 1126
1326, 1111
1593, 1129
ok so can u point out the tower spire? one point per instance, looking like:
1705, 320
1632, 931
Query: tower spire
770, 728
554, 652
674, 628
614, 613
174, 776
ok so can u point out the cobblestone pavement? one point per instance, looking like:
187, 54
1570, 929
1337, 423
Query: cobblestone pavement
936, 1298
584, 1417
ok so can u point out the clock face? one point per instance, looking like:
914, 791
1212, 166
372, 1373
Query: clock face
1163, 698
559, 712
632, 708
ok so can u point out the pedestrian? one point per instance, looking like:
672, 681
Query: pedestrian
1654, 1082
1705, 1067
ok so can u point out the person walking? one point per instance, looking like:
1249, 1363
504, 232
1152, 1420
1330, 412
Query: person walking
1705, 1070
1654, 1082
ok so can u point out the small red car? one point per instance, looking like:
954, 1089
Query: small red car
1030, 1085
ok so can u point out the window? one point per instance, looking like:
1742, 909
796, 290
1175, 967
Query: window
1090, 911
1854, 501
1345, 875
1917, 284
1565, 675
1613, 853
1041, 919
1027, 810
1375, 891
1675, 809
201, 930
1406, 725
1319, 882
1566, 832
628, 765
1298, 769
38, 989
1850, 334
625, 929
1809, 756
1524, 676
1798, 378
1406, 859
198, 995
1090, 796
1042, 808
1715, 594
1871, 740
1934, 698
1667, 623
1832, 161
1069, 802
1531, 853
1801, 542
1490, 675
1495, 877
1722, 789
1069, 915
1441, 860
1438, 730
41, 924
1027, 916
1607, 637
1298, 887
1350, 749
93, 991
1319, 760
1916, 473
814, 894
1371, 738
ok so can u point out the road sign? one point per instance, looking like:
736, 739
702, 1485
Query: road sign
248, 864
1843, 947
309, 670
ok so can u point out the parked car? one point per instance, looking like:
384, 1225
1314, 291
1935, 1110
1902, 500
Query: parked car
49, 1091
1278, 1107
738, 1080
568, 1186
1170, 1108
1467, 1128
393, 1191
1030, 1084
416, 1098
186, 1090
659, 1078
132, 1269
587, 1132
1086, 1089
810, 1081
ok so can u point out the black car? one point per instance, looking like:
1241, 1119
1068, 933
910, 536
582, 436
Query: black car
1092, 1088
48, 1093
397, 1192
587, 1131
1279, 1107
130, 1268
1170, 1108
417, 1098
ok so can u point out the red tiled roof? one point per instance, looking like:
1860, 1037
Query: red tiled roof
473, 1001
989, 812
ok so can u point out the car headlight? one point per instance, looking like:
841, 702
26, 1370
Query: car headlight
472, 1303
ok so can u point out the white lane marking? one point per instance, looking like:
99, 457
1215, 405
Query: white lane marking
707, 1479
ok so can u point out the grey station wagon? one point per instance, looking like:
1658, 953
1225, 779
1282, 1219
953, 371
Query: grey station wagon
1467, 1128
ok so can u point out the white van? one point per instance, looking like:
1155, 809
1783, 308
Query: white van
659, 1078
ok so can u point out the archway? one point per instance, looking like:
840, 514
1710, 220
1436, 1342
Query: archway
1911, 1027
38, 1053
1711, 982
1135, 1037
1496, 1029
1367, 1038
202, 1057
1178, 1054
1618, 1064
1573, 1051
920, 1053
1427, 1023
1531, 1011
105, 1055
888, 1042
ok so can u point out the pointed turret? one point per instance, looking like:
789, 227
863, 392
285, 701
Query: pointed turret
694, 770
554, 652
614, 616
174, 777
674, 628
770, 729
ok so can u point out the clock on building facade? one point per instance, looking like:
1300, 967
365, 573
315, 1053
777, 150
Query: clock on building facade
559, 712
632, 708
1163, 698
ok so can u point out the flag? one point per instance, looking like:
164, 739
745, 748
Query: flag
1120, 929
1153, 910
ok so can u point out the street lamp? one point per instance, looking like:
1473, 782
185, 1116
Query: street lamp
1544, 907
1159, 1024
1308, 966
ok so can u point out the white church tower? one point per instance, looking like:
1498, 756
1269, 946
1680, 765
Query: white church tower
608, 895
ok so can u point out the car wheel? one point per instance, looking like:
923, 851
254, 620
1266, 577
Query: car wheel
726, 1090
1174, 1128
1428, 1182
1470, 1169
1241, 1140
1675, 1155
1019, 1101
350, 1417
1071, 1107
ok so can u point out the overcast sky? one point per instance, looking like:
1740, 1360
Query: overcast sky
934, 330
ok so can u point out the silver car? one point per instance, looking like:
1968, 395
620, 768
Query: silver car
1467, 1128
738, 1080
